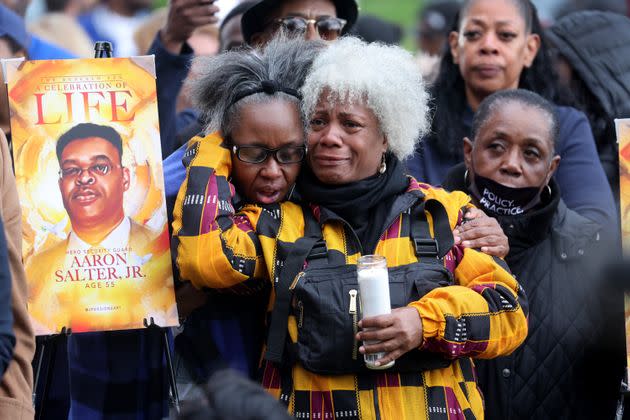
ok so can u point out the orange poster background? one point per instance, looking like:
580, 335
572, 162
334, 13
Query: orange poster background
75, 289
623, 138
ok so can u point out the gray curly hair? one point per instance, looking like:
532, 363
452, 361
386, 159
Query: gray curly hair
218, 87
386, 77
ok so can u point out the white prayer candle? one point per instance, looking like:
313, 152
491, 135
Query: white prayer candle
374, 289
374, 293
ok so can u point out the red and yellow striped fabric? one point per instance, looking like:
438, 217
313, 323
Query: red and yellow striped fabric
483, 315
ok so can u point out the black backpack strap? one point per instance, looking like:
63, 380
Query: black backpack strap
425, 245
310, 245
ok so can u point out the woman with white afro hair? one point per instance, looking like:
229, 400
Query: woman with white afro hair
326, 357
385, 78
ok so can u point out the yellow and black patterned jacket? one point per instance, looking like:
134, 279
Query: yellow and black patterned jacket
483, 315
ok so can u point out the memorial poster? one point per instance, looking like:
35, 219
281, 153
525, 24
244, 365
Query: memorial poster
86, 147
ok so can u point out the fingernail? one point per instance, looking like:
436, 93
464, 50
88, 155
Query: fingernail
466, 244
377, 363
457, 239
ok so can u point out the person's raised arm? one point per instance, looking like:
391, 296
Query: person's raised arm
173, 57
214, 246
184, 16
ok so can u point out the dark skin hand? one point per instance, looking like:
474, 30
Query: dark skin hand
401, 331
482, 232
184, 16
397, 332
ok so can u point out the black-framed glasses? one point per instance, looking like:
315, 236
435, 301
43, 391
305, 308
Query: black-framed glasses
328, 27
259, 154
97, 169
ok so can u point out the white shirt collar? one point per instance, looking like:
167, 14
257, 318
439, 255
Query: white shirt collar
119, 237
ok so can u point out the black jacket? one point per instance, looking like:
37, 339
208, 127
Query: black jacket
597, 46
570, 365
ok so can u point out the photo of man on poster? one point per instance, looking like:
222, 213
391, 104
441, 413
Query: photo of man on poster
92, 182
105, 251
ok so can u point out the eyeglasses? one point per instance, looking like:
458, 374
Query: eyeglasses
98, 169
328, 27
259, 154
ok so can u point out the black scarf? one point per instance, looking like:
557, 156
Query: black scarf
362, 204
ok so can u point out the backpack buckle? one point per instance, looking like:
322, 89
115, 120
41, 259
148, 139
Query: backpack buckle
319, 251
426, 247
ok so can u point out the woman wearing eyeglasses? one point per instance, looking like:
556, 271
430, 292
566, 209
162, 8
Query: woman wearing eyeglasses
268, 144
256, 95
367, 107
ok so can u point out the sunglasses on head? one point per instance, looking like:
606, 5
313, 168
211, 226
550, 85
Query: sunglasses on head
328, 27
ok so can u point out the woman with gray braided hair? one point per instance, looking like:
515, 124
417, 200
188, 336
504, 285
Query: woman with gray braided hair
250, 104
251, 97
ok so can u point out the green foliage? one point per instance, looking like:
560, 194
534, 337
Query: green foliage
402, 12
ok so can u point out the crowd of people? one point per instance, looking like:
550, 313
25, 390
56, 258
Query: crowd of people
484, 169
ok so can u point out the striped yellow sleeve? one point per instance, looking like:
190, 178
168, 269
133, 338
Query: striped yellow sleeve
454, 202
484, 314
215, 247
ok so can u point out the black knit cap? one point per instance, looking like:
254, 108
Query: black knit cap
256, 17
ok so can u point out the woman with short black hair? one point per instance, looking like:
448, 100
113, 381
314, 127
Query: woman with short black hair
571, 363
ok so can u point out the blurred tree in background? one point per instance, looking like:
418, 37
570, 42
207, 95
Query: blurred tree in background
402, 12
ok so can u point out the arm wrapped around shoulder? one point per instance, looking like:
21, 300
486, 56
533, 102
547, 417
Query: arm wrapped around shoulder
484, 315
214, 246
